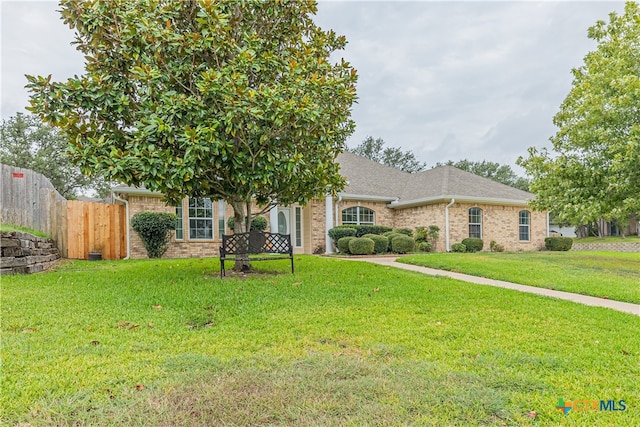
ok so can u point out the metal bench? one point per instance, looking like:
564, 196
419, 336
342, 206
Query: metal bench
253, 244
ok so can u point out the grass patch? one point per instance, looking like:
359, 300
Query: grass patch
7, 228
608, 239
166, 342
613, 275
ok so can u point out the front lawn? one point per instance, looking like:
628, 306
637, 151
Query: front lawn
612, 275
608, 239
166, 342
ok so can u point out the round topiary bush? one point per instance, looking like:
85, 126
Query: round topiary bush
258, 223
402, 244
337, 233
361, 246
458, 247
154, 230
424, 247
558, 243
405, 231
473, 244
390, 236
343, 244
381, 243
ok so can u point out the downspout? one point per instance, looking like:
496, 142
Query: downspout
446, 224
126, 207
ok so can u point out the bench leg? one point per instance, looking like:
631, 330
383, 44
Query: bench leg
222, 272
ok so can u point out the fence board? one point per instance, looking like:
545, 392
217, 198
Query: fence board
95, 227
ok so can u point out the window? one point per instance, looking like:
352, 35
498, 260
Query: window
358, 215
222, 212
524, 221
200, 219
475, 223
179, 225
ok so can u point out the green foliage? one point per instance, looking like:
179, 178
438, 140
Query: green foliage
343, 244
373, 149
592, 171
492, 170
8, 228
337, 233
420, 235
381, 243
236, 101
424, 246
458, 247
154, 229
495, 246
258, 223
402, 244
473, 244
558, 243
26, 142
361, 246
391, 235
405, 231
361, 230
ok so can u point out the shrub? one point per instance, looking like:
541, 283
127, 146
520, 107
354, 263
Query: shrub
402, 244
381, 243
339, 232
343, 244
154, 229
424, 247
496, 247
361, 246
362, 230
473, 244
420, 235
258, 223
558, 243
390, 236
405, 231
458, 247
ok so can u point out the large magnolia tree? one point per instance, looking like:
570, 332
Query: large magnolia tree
230, 100
594, 169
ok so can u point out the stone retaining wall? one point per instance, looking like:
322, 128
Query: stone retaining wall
609, 247
25, 253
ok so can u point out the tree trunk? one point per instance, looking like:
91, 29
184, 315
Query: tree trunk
242, 222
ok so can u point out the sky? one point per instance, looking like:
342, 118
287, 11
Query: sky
447, 80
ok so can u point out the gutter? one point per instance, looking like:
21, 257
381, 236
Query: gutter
460, 199
446, 223
126, 206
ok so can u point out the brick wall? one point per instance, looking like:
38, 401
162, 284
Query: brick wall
608, 247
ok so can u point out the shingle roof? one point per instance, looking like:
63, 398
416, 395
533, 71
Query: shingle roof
366, 177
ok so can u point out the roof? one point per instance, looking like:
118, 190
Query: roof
369, 178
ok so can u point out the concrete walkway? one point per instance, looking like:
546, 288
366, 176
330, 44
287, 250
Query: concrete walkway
625, 307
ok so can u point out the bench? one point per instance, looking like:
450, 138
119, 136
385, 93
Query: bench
255, 243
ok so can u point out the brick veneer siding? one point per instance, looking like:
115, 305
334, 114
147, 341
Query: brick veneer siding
424, 216
608, 247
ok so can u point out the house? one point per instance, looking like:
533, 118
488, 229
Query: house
461, 204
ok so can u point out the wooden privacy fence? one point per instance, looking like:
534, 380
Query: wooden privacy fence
29, 200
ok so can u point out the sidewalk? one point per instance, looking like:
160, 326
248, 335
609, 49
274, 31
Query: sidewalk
625, 307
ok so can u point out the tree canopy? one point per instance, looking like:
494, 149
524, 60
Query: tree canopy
26, 142
228, 100
593, 170
492, 170
394, 157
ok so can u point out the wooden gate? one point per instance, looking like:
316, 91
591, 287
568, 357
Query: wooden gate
96, 227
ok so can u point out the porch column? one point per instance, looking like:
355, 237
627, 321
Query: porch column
328, 214
273, 219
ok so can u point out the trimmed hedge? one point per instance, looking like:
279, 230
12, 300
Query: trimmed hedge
361, 230
381, 243
343, 244
405, 231
558, 243
258, 223
424, 246
473, 244
154, 230
361, 246
458, 247
402, 244
337, 233
391, 235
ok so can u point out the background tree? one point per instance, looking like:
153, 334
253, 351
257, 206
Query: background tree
26, 142
375, 150
593, 170
495, 171
228, 100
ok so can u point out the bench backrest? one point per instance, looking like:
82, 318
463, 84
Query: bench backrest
256, 242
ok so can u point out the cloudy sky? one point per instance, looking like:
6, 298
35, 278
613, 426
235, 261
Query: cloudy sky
447, 80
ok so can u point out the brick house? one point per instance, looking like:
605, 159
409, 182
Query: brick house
460, 203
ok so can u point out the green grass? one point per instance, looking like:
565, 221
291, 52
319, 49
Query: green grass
166, 342
613, 275
6, 228
608, 239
